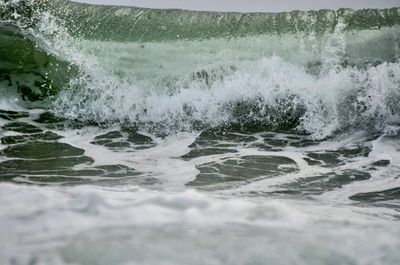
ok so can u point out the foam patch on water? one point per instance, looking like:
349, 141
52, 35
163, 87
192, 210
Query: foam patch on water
162, 161
41, 221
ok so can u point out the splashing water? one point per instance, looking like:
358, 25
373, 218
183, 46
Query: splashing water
138, 136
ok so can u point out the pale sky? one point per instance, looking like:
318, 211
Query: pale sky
251, 5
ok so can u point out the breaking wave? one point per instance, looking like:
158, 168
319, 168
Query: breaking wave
319, 72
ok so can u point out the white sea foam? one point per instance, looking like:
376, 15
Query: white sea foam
334, 101
43, 220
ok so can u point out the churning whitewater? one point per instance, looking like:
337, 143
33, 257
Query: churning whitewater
145, 136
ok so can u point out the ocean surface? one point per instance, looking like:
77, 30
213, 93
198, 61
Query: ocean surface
148, 136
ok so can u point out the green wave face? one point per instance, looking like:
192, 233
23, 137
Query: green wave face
184, 69
149, 25
35, 73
